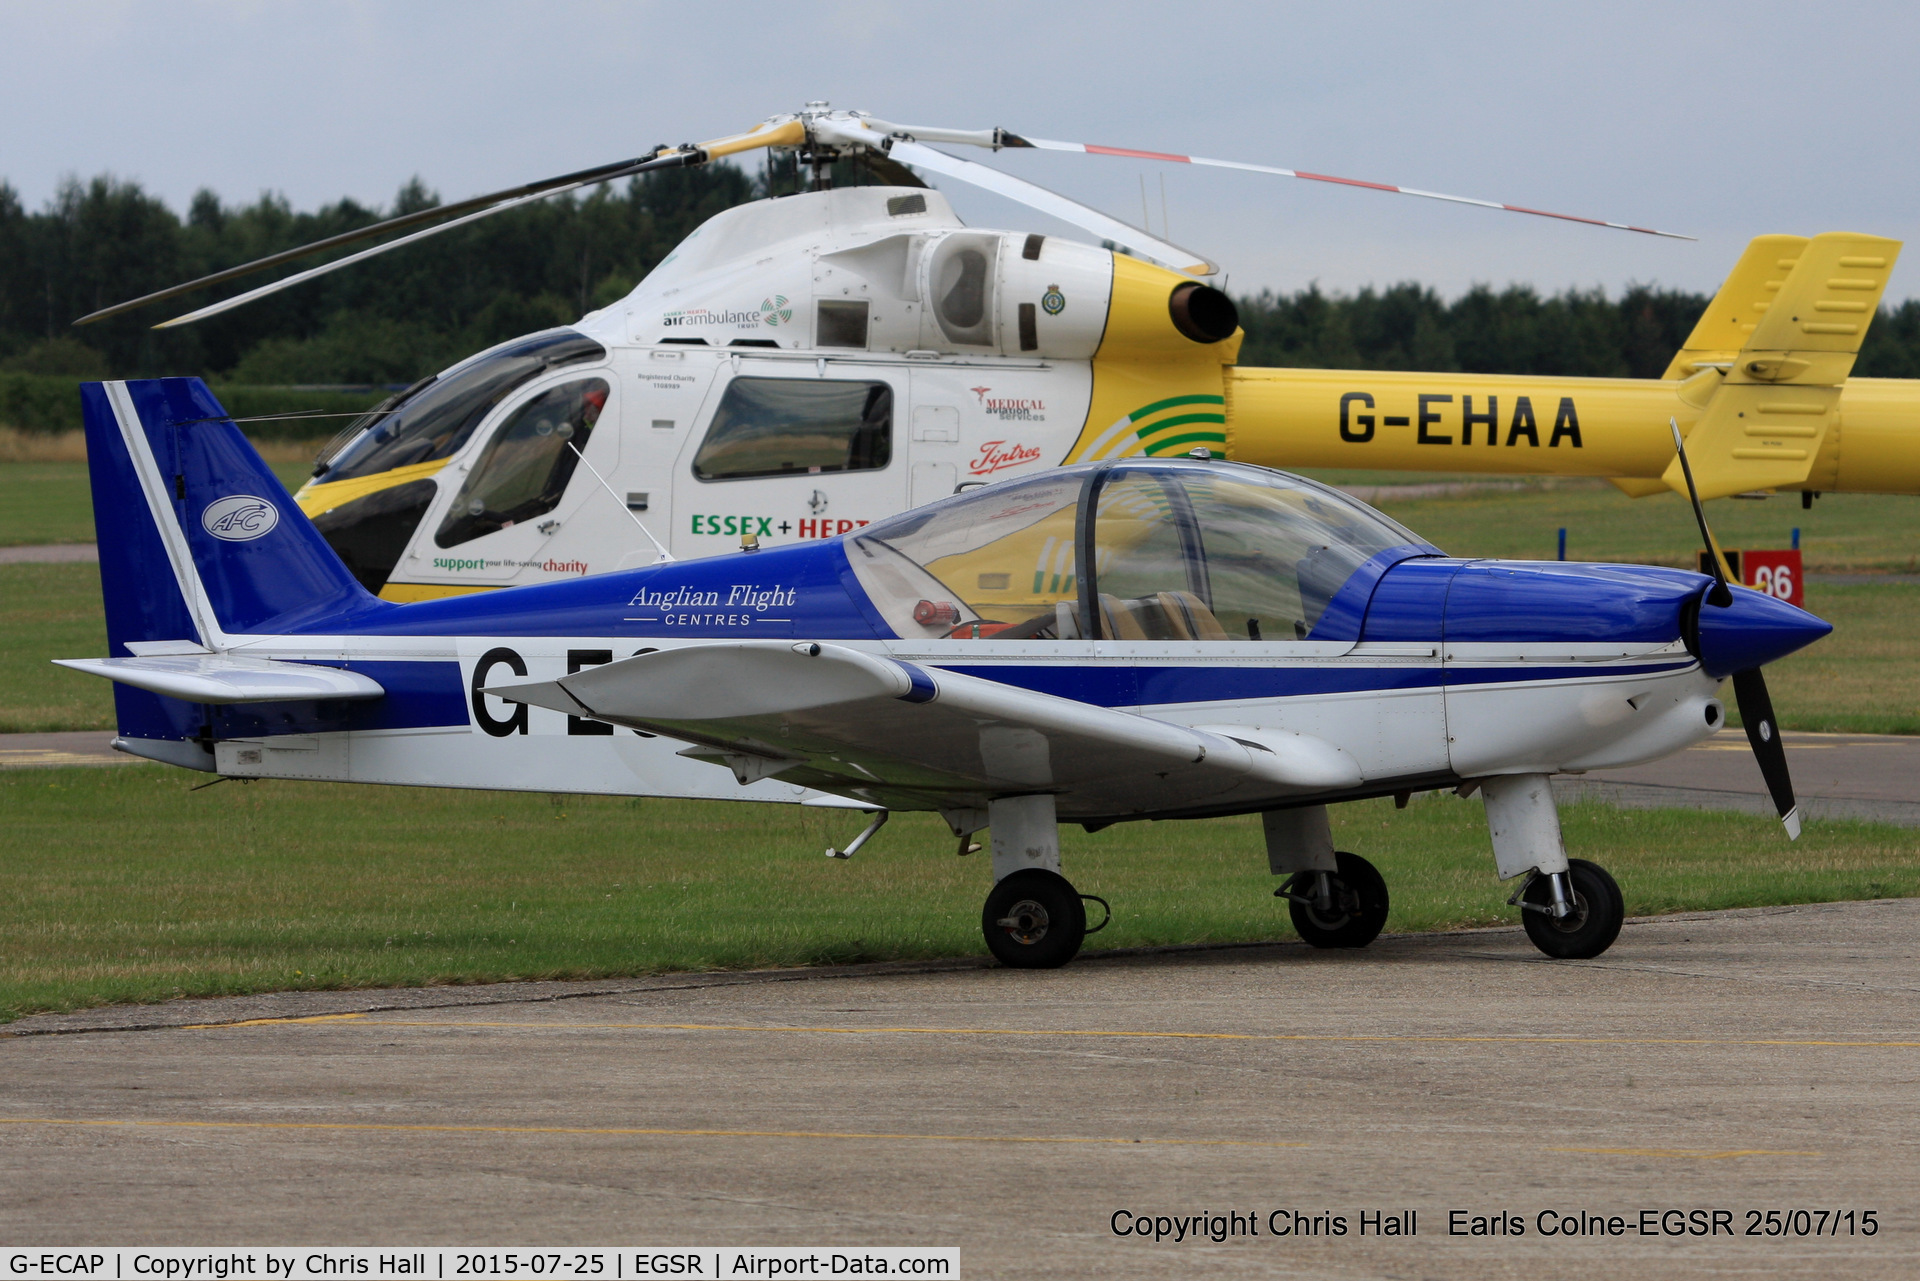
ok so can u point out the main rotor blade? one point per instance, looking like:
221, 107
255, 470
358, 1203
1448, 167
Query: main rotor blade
365, 233
1048, 202
1756, 713
1005, 139
300, 277
790, 133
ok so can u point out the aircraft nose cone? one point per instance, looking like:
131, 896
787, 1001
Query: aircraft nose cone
1754, 630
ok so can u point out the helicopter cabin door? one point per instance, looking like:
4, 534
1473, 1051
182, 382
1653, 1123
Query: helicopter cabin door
523, 483
792, 451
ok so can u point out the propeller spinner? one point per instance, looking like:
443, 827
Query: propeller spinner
823, 135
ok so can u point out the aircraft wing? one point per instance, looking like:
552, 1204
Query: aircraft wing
908, 736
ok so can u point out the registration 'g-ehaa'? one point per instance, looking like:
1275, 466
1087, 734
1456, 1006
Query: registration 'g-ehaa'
1121, 640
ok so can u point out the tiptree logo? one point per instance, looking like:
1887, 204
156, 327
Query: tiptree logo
775, 311
239, 518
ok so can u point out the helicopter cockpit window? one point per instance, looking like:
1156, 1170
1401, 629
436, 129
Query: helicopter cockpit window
525, 468
439, 416
797, 427
996, 565
961, 277
1212, 553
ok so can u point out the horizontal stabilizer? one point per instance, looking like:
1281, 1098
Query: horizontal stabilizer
221, 678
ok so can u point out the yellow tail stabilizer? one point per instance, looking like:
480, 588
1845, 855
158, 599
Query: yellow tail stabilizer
1735, 311
1764, 427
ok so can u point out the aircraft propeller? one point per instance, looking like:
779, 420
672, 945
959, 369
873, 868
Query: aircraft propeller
825, 134
1749, 686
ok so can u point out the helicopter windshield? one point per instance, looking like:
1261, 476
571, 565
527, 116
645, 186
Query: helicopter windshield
1181, 552
436, 418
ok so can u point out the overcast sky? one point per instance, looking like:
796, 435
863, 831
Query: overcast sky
1720, 120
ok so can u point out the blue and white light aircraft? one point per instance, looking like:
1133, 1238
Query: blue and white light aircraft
1140, 639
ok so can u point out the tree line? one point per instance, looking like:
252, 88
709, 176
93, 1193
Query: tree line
405, 315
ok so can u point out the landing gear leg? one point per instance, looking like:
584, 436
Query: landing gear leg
1572, 909
1033, 919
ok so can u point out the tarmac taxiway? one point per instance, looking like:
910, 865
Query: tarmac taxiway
1765, 1060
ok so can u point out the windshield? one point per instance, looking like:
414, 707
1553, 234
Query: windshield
1182, 552
433, 419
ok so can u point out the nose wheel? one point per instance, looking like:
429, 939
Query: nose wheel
1346, 907
1586, 922
1034, 920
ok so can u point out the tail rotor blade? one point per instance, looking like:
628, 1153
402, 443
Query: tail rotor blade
1756, 713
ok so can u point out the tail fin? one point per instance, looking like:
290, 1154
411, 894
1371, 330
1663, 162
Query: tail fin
199, 540
1723, 327
1766, 423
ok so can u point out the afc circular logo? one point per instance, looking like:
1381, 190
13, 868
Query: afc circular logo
239, 518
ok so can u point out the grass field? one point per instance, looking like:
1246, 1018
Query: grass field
50, 502
119, 884
1841, 532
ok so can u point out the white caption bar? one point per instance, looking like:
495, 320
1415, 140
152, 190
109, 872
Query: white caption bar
488, 1263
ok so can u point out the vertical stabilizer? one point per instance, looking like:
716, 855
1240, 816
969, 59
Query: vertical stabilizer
1766, 422
1723, 328
199, 540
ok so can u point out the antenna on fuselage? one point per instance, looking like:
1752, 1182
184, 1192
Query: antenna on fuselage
665, 555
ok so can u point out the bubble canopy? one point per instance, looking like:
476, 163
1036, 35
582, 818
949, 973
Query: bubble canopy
1182, 550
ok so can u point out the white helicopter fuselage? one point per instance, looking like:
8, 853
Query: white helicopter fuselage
986, 378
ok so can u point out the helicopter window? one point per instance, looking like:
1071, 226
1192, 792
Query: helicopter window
842, 323
526, 466
962, 280
997, 564
1208, 553
434, 419
795, 426
371, 534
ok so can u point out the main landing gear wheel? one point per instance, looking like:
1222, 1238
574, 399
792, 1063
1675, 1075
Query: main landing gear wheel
1348, 910
1590, 928
1034, 920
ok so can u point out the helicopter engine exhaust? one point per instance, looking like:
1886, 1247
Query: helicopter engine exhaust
1203, 313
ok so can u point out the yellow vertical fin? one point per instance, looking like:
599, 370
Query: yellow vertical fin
1746, 295
1764, 427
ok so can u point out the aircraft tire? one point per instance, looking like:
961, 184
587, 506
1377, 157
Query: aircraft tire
1360, 904
1034, 920
1599, 911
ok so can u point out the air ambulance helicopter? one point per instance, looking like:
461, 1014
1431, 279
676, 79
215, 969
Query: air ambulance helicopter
803, 366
